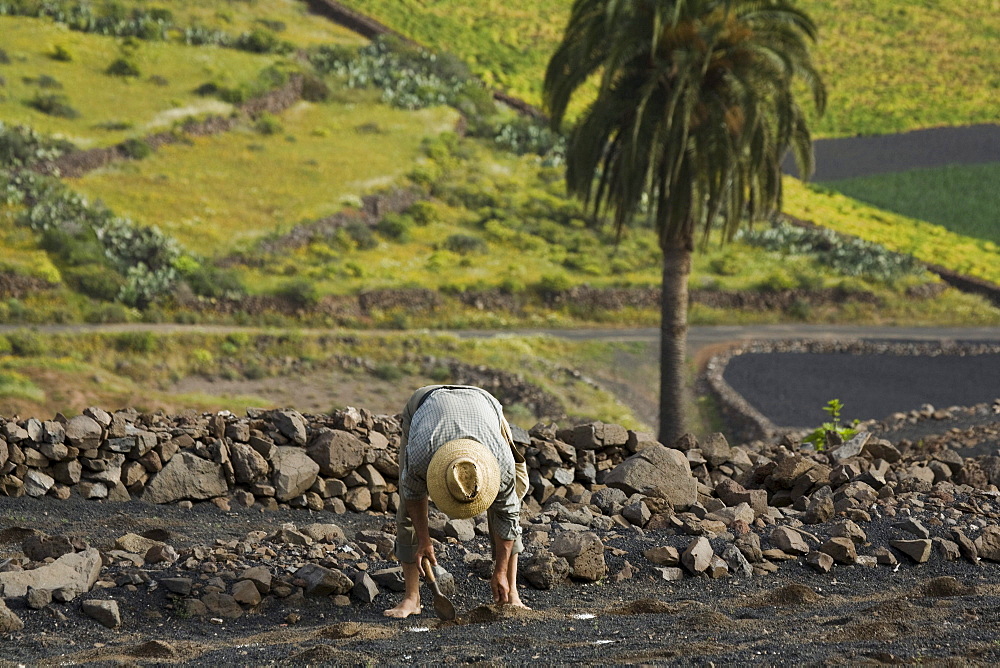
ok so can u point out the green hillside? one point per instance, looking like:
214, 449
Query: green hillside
889, 66
268, 203
962, 198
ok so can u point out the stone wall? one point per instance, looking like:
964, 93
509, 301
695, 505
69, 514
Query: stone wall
347, 461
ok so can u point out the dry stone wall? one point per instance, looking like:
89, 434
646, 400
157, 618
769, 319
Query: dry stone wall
699, 508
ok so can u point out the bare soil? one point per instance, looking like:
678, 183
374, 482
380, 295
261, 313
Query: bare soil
937, 613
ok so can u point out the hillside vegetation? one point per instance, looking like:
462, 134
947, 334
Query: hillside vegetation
889, 66
249, 163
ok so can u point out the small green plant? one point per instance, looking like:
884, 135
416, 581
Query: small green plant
61, 53
268, 124
123, 67
137, 148
53, 105
819, 436
464, 244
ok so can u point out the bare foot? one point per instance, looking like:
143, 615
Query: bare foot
515, 602
405, 608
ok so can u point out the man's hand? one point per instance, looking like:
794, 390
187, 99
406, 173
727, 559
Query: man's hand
500, 587
425, 551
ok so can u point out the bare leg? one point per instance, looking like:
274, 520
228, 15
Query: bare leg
410, 605
515, 598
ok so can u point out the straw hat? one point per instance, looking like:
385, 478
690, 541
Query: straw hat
463, 478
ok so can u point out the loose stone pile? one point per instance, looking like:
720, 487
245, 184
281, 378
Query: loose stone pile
604, 502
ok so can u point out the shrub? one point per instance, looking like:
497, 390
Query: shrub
25, 343
850, 256
114, 126
4, 58
388, 372
314, 89
46, 82
95, 281
268, 124
821, 436
261, 40
53, 105
395, 227
553, 285
135, 342
423, 213
464, 244
61, 53
210, 281
777, 280
275, 26
136, 148
23, 147
727, 264
300, 293
360, 235
104, 314
123, 67
208, 88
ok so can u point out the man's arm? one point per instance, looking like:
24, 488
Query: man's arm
501, 562
417, 510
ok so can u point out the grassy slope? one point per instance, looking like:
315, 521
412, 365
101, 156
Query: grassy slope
890, 66
296, 23
140, 104
962, 198
139, 369
926, 242
230, 189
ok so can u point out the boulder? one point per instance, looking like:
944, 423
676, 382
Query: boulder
657, 471
249, 466
715, 449
77, 571
841, 549
337, 452
987, 546
598, 435
919, 550
697, 557
321, 581
545, 570
789, 540
40, 547
186, 476
37, 484
585, 553
294, 472
291, 424
9, 621
105, 612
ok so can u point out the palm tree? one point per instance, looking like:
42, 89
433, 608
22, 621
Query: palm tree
694, 110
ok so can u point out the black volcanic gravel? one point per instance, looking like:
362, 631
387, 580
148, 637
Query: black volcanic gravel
791, 388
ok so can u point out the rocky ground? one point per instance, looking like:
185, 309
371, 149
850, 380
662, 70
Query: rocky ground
874, 551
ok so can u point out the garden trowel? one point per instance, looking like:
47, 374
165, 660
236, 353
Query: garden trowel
442, 606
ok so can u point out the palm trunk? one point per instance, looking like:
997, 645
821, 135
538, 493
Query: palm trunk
673, 340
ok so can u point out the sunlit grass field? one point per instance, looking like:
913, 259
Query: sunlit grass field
965, 199
889, 66
111, 108
43, 373
221, 192
291, 20
925, 241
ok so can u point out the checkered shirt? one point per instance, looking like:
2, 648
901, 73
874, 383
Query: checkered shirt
451, 412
